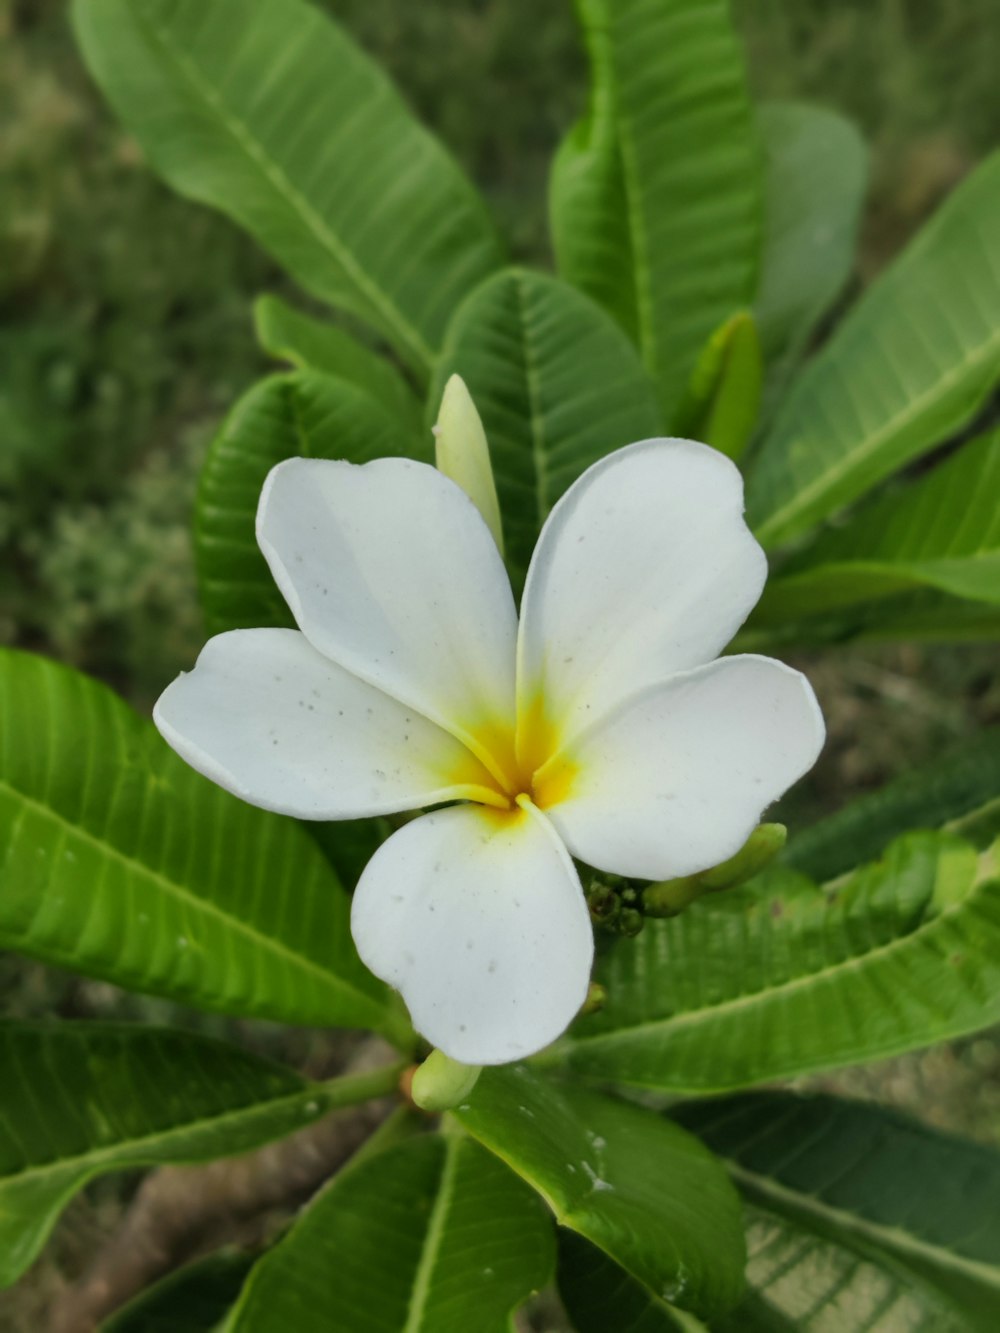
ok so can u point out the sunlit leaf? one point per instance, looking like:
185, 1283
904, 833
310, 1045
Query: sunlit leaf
723, 397
656, 192
911, 364
557, 385
272, 114
782, 977
121, 862
302, 415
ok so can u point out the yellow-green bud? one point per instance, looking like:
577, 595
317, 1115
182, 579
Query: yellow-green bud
441, 1083
669, 897
759, 850
462, 453
597, 998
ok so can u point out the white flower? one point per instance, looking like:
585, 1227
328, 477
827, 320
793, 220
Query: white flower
599, 728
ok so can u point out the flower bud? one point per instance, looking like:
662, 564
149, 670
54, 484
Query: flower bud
597, 998
669, 897
603, 902
441, 1083
462, 453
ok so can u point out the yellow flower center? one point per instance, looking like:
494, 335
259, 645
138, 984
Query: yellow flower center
524, 764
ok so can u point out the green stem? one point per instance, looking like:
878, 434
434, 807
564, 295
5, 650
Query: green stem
350, 1089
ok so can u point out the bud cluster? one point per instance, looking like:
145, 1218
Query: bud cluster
621, 906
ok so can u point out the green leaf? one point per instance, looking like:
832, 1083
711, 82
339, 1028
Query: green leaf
886, 1188
83, 1099
432, 1236
656, 192
302, 415
621, 1176
121, 862
557, 386
781, 978
817, 171
802, 1283
723, 396
912, 363
195, 1298
310, 344
930, 616
942, 531
599, 1295
959, 787
798, 1282
272, 114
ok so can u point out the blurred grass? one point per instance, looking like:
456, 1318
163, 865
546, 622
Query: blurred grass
125, 334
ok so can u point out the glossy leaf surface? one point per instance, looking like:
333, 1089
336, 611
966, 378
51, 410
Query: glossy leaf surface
782, 977
302, 415
82, 1099
121, 862
433, 1236
272, 114
621, 1176
656, 192
557, 386
912, 363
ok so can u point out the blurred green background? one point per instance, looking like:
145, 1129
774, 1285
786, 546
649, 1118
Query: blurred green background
125, 333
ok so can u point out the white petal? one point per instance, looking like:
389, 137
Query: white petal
644, 568
677, 779
269, 718
390, 570
478, 918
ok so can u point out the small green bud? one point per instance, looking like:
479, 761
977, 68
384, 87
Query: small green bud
630, 922
441, 1083
723, 396
759, 850
461, 452
597, 998
669, 897
604, 903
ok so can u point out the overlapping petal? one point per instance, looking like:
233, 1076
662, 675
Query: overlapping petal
478, 918
644, 568
390, 570
676, 780
272, 720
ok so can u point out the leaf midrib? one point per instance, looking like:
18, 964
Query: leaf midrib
433, 1237
894, 1239
126, 1150
845, 464
275, 176
264, 942
692, 1017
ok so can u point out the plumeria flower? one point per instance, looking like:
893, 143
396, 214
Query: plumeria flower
599, 728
